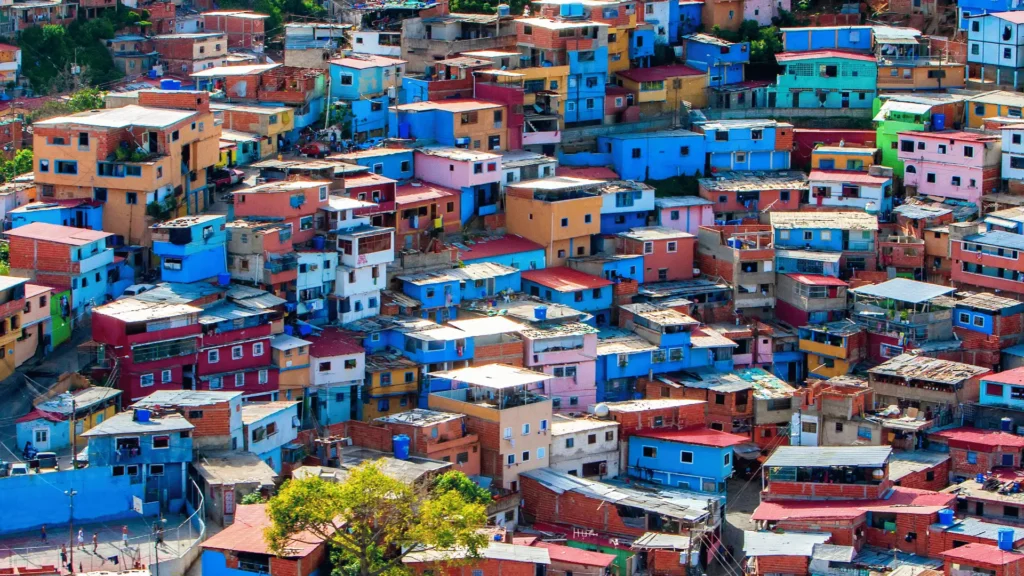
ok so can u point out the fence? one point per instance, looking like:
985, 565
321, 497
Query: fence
178, 549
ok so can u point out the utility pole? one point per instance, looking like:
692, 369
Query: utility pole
71, 493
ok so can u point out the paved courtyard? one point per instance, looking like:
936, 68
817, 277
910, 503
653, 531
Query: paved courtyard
27, 549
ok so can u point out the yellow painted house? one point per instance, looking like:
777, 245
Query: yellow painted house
995, 103
832, 349
50, 426
843, 158
392, 382
671, 85
290, 357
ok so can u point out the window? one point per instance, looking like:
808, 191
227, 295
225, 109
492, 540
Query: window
239, 379
955, 180
636, 152
565, 222
686, 457
325, 367
511, 459
756, 134
161, 442
650, 452
237, 353
44, 165
979, 320
587, 219
972, 457
570, 442
648, 247
264, 378
165, 376
672, 247
727, 459
526, 456
146, 380
66, 167
1007, 53
526, 429
930, 177
213, 356
216, 383
131, 198
257, 349
969, 151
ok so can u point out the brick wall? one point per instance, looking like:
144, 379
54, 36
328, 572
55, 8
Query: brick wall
543, 505
665, 563
490, 447
41, 255
507, 353
795, 565
682, 416
366, 435
813, 490
842, 531
919, 480
916, 524
183, 100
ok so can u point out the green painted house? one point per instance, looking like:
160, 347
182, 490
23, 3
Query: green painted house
911, 113
825, 79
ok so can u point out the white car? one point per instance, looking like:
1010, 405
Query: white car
136, 289
19, 469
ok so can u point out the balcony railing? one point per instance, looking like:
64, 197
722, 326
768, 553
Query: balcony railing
163, 350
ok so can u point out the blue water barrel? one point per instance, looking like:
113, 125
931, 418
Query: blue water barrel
938, 122
141, 415
946, 517
223, 279
1005, 539
170, 84
152, 74
980, 478
503, 10
318, 242
540, 312
401, 446
1006, 424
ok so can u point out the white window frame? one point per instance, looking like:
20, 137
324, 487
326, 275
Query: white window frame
257, 349
166, 376
237, 353
264, 377
143, 378
213, 356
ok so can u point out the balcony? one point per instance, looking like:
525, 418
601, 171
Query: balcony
541, 129
143, 353
833, 349
98, 260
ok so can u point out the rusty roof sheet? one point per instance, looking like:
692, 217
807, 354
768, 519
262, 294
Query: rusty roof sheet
913, 367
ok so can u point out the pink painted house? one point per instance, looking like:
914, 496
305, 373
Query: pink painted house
951, 163
567, 352
684, 213
476, 174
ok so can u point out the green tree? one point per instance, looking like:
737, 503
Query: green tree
373, 520
252, 498
470, 491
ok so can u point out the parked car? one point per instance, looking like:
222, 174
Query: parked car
315, 150
136, 289
227, 177
19, 469
47, 460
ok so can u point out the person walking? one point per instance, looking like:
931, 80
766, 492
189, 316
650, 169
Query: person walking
95, 542
124, 535
42, 533
63, 555
81, 539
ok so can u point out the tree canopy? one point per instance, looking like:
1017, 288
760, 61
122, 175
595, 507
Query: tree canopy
373, 520
471, 491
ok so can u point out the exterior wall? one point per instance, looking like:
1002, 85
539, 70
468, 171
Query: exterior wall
572, 459
858, 80
707, 472
537, 220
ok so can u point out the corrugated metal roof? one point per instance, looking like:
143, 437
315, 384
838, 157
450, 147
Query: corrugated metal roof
826, 456
996, 238
904, 290
651, 540
978, 528
677, 505
809, 255
782, 543
833, 553
903, 463
913, 367
494, 551
823, 220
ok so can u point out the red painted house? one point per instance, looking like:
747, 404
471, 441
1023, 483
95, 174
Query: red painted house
370, 187
235, 352
297, 202
989, 260
668, 254
149, 346
497, 559
983, 559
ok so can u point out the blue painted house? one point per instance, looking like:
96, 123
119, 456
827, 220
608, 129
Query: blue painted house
191, 248
724, 61
825, 231
440, 120
48, 426
699, 459
614, 267
508, 250
690, 18
641, 44
851, 38
625, 205
394, 163
988, 314
151, 450
747, 144
654, 155
681, 345
968, 8
622, 357
77, 213
807, 262
362, 82
1003, 389
571, 288
440, 293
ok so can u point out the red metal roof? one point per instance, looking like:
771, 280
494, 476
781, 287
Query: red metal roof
596, 173
851, 176
37, 414
500, 246
656, 73
902, 501
368, 179
333, 342
698, 436
817, 280
564, 279
421, 192
246, 534
1015, 376
813, 54
980, 440
985, 554
58, 234
559, 553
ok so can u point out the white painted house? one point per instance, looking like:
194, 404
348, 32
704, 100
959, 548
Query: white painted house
585, 447
1013, 152
267, 427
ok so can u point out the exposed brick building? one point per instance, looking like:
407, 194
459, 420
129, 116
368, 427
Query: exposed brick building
973, 451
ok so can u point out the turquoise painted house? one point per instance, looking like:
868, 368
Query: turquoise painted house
825, 79
361, 83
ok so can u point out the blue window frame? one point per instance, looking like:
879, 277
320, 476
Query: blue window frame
65, 167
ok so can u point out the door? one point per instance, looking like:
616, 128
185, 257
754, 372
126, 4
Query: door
41, 439
1008, 460
846, 100
771, 100
229, 501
